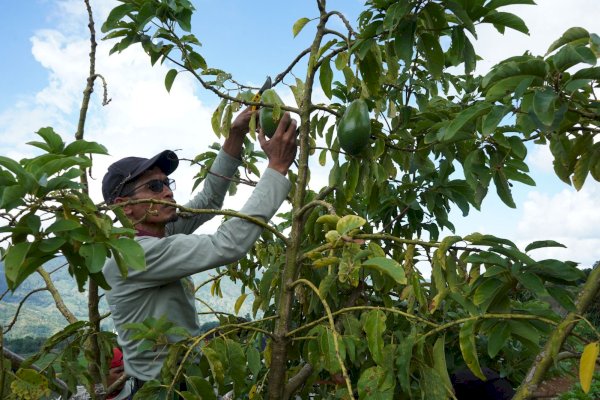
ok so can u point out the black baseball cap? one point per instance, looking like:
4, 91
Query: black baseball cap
128, 169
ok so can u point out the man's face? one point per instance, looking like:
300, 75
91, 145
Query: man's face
113, 375
150, 214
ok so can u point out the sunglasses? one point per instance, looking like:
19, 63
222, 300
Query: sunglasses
155, 186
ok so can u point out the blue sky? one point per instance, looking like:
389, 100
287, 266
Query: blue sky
45, 61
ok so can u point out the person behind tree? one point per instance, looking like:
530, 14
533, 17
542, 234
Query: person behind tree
173, 253
123, 391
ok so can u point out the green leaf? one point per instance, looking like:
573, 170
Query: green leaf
84, 147
184, 19
376, 383
503, 189
236, 362
508, 75
433, 53
62, 225
215, 364
14, 259
563, 296
298, 25
374, 327
517, 147
388, 267
492, 119
327, 348
404, 40
464, 117
371, 69
494, 4
508, 20
582, 168
51, 245
352, 178
458, 10
439, 361
170, 78
574, 36
555, 269
196, 61
253, 357
200, 387
131, 251
348, 223
12, 197
497, 338
532, 283
94, 255
115, 15
543, 105
539, 244
326, 76
487, 291
525, 330
587, 73
468, 348
53, 139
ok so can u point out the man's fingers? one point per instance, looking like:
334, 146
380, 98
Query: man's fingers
283, 124
261, 138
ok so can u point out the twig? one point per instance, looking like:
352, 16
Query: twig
282, 75
314, 203
344, 20
14, 320
230, 213
333, 330
17, 360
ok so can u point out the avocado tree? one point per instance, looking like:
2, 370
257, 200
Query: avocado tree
341, 309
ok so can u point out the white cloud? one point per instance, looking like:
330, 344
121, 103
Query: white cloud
541, 158
569, 217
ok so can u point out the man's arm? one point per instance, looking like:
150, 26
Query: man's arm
217, 181
183, 255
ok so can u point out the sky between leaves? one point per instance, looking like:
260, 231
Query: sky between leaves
45, 63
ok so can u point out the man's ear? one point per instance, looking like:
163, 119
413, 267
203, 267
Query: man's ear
126, 208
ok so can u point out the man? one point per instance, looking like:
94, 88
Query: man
173, 253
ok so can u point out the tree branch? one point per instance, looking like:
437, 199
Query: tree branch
295, 382
333, 331
282, 75
188, 210
546, 357
16, 361
60, 304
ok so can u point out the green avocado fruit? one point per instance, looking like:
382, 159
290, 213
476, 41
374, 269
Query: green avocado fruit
354, 128
265, 116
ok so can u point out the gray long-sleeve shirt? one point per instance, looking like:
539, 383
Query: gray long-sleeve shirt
165, 288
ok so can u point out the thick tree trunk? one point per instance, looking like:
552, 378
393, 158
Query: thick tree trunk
278, 368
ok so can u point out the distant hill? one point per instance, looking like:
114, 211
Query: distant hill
40, 317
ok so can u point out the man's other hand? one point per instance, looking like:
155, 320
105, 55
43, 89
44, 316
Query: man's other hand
281, 148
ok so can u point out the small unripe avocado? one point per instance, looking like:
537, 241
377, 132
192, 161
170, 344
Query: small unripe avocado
354, 128
267, 123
